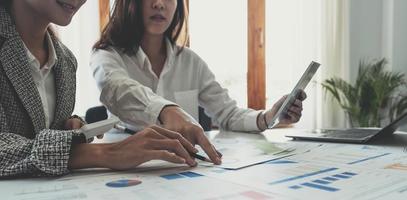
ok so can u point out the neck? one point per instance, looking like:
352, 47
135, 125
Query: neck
155, 49
153, 46
29, 25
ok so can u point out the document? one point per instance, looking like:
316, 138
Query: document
177, 183
239, 152
251, 171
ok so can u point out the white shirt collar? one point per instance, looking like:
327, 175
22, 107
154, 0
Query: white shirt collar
143, 61
52, 56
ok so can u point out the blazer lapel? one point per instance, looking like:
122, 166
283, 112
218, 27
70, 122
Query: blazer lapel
64, 85
16, 67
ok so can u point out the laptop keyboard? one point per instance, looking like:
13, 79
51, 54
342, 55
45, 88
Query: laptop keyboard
348, 133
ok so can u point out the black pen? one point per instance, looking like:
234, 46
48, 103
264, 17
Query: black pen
199, 157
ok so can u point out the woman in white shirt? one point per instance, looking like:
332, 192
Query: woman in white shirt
145, 78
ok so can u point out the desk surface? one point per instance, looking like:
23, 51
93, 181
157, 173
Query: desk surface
324, 170
399, 139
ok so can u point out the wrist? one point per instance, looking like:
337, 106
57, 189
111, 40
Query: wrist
88, 156
166, 112
261, 121
78, 118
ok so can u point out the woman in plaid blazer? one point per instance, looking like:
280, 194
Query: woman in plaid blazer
35, 126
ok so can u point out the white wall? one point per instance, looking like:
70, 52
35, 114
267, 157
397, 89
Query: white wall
378, 28
400, 36
366, 19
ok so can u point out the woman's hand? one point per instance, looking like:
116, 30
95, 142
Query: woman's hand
152, 143
73, 123
176, 119
293, 115
76, 123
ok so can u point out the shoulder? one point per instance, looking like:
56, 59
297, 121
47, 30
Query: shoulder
107, 51
187, 55
67, 53
106, 54
63, 52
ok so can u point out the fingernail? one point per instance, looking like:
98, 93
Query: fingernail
218, 161
194, 163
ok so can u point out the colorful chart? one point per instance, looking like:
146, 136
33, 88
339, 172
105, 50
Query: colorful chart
181, 175
123, 183
323, 184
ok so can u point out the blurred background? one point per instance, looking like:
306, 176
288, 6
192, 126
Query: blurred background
340, 34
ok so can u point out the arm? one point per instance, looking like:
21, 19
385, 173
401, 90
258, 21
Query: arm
46, 154
217, 102
131, 101
153, 143
136, 104
51, 153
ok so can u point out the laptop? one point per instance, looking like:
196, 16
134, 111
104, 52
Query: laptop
352, 135
301, 85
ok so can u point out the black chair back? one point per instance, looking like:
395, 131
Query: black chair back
99, 113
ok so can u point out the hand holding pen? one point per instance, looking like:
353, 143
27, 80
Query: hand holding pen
194, 155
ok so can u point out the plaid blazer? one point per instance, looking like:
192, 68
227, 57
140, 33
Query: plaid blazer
26, 147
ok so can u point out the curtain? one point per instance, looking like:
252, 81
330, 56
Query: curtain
335, 58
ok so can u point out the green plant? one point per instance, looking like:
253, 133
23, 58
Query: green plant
376, 94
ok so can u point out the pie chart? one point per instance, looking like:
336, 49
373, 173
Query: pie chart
123, 183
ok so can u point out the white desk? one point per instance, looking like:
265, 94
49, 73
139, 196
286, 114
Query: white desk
362, 172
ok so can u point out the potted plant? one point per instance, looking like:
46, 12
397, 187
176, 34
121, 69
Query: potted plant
376, 95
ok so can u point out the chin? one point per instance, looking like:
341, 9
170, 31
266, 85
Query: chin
62, 22
157, 31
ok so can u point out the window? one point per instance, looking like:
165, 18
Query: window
218, 34
292, 41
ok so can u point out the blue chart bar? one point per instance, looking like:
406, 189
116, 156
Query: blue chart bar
191, 174
172, 176
349, 174
295, 187
181, 175
321, 182
303, 176
369, 158
341, 176
281, 162
330, 179
320, 187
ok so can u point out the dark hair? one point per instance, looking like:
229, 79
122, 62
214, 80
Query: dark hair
125, 27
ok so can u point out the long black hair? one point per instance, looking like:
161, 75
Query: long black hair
125, 27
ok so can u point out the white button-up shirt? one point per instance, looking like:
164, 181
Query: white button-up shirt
44, 80
132, 91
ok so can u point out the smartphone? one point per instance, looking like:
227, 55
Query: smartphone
301, 85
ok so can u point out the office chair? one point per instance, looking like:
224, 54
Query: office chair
95, 114
99, 113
